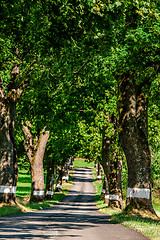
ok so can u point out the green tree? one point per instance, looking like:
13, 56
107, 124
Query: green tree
136, 55
14, 57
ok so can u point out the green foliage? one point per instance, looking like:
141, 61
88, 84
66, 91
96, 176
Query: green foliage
9, 210
124, 179
71, 52
154, 133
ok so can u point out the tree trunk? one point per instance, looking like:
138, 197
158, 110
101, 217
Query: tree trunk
99, 171
8, 163
35, 152
111, 168
65, 177
115, 188
71, 162
105, 190
50, 179
106, 162
59, 179
119, 179
133, 134
8, 158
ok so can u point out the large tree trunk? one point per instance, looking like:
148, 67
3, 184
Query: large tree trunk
112, 170
8, 158
8, 163
133, 134
35, 152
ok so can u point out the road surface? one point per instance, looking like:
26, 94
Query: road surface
76, 218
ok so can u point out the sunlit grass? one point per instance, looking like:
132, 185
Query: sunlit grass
23, 184
6, 209
145, 225
83, 163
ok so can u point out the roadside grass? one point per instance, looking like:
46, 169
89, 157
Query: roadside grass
80, 163
23, 196
23, 185
10, 209
139, 221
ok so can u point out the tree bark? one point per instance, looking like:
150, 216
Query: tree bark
71, 162
8, 158
105, 190
50, 179
59, 179
8, 163
99, 171
65, 177
133, 135
35, 152
112, 172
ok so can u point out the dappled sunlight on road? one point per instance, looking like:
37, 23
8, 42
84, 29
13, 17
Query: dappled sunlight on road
76, 217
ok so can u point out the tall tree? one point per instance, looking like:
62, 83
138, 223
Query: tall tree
8, 163
12, 85
138, 54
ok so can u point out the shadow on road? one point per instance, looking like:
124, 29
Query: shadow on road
32, 225
75, 212
74, 218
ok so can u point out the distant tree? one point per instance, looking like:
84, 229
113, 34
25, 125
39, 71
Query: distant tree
35, 149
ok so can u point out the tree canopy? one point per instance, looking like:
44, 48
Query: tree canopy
70, 65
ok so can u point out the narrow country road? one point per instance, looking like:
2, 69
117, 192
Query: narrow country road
75, 218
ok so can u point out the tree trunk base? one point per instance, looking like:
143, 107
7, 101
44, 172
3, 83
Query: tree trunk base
115, 204
106, 201
36, 199
102, 196
48, 197
58, 190
139, 204
7, 198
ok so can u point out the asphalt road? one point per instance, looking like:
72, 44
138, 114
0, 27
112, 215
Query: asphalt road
76, 218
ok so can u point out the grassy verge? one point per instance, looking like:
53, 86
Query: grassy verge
23, 195
79, 163
139, 221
